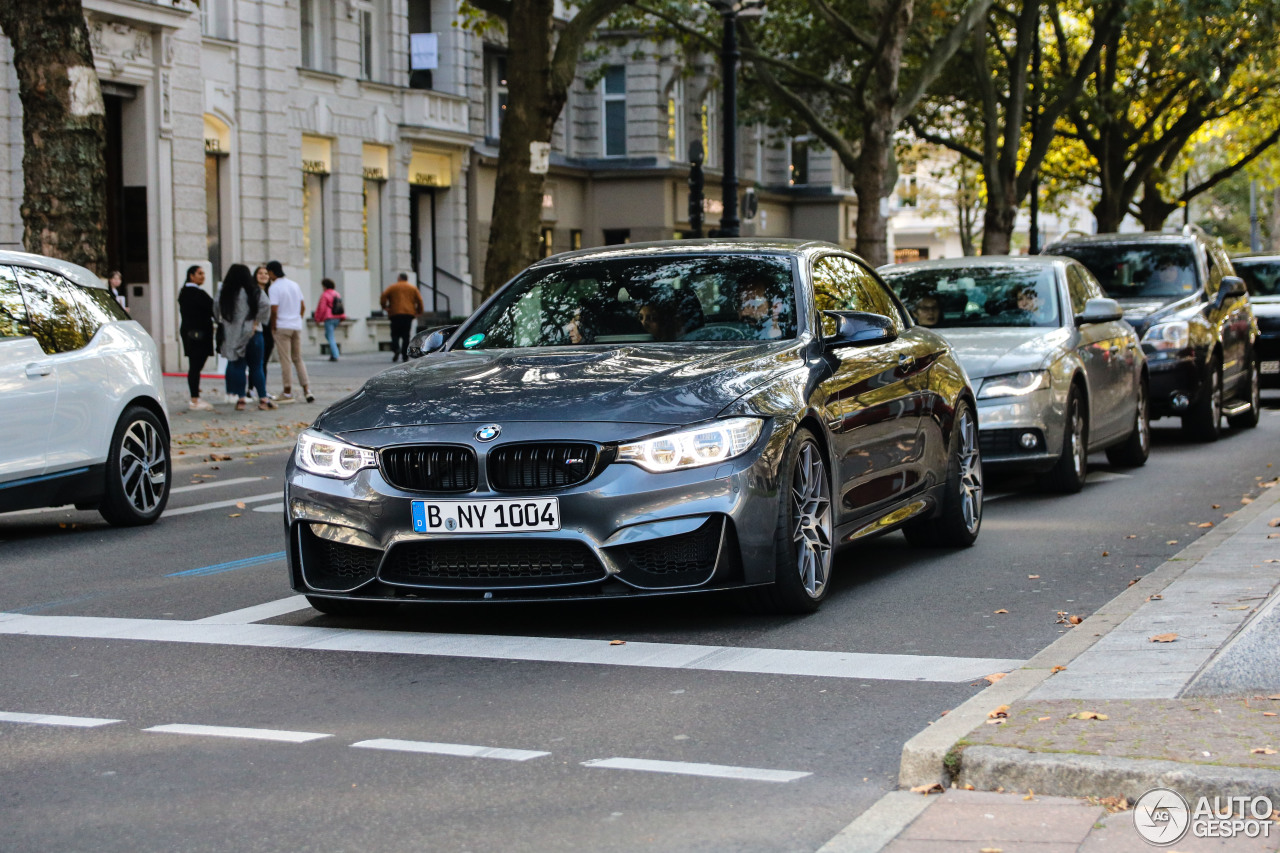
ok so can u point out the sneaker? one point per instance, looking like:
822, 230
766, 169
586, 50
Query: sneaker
201, 405
266, 403
310, 398
333, 358
287, 395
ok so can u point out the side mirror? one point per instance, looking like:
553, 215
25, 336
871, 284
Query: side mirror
1232, 287
429, 341
1099, 311
857, 329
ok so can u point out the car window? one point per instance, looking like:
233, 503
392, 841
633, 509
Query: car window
991, 294
98, 306
1138, 270
13, 311
840, 284
642, 300
1077, 288
1261, 277
53, 311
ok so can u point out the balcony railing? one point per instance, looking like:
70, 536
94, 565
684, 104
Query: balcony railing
436, 110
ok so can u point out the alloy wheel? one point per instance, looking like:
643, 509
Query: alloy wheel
970, 472
1144, 419
811, 520
144, 466
1075, 435
1215, 398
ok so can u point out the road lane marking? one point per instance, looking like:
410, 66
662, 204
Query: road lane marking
218, 568
884, 667
213, 484
270, 508
234, 732
248, 615
685, 768
1105, 476
187, 510
54, 720
459, 749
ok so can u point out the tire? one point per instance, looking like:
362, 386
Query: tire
1134, 450
1068, 473
960, 520
1249, 419
347, 607
804, 534
139, 470
1204, 421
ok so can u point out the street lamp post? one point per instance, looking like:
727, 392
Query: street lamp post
729, 12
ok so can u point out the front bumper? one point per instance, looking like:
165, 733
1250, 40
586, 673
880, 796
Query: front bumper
1267, 350
1177, 381
624, 532
1004, 421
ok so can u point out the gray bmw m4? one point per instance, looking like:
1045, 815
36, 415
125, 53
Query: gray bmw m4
641, 420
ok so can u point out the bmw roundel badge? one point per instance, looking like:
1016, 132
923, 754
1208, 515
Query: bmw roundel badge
488, 432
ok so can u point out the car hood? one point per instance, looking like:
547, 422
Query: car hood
654, 383
1141, 313
991, 351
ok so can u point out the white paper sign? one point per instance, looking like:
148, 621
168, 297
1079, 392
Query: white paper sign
424, 51
539, 157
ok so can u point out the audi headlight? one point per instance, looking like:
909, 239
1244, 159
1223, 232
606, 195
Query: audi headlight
1174, 335
1013, 384
693, 447
328, 457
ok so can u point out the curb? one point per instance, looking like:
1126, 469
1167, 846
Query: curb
1069, 775
924, 757
877, 826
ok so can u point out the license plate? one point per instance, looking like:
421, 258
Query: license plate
1270, 367
502, 516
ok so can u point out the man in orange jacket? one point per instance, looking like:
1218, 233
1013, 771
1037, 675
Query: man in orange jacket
402, 302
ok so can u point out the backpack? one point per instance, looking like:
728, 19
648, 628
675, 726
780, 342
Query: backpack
336, 307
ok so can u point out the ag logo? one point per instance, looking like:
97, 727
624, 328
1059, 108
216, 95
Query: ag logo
488, 432
1161, 816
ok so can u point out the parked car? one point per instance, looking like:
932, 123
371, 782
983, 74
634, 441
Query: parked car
1059, 373
1182, 295
1261, 274
641, 420
82, 412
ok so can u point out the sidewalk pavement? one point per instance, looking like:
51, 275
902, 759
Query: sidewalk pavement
197, 436
1175, 683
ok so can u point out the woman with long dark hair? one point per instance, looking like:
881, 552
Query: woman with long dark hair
268, 340
196, 330
243, 312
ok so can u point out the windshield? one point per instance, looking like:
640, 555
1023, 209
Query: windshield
1138, 270
1261, 277
978, 295
642, 300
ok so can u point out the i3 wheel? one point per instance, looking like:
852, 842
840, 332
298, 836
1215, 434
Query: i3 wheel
804, 536
138, 470
1204, 421
1134, 451
1249, 419
960, 519
1067, 475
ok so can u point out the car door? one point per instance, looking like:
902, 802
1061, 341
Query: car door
64, 336
873, 400
1233, 318
28, 388
1107, 351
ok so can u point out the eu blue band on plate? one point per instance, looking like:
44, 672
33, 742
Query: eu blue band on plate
419, 517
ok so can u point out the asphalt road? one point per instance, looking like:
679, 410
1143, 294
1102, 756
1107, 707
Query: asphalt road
526, 728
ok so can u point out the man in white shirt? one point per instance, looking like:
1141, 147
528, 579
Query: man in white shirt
287, 310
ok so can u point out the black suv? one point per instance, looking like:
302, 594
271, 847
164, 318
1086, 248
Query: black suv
1192, 311
1262, 274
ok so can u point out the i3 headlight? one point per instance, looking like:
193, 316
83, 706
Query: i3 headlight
1013, 384
1163, 337
691, 448
320, 454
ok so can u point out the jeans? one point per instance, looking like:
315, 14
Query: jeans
329, 326
252, 363
400, 325
268, 346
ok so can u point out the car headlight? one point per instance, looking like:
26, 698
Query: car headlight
1013, 384
1174, 335
690, 448
328, 457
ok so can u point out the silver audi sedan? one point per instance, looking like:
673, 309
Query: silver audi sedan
1059, 373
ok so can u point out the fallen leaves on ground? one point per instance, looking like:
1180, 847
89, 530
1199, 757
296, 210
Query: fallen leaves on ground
1275, 522
1001, 610
1271, 561
1075, 620
1131, 536
1031, 794
994, 677
1057, 669
1216, 506
1033, 577
1172, 542
1243, 607
999, 713
1087, 715
1273, 535
1246, 500
239, 504
1156, 597
931, 788
1043, 719
1205, 524
234, 515
1268, 713
1106, 553
219, 457
1111, 804
1163, 638
617, 642
1262, 750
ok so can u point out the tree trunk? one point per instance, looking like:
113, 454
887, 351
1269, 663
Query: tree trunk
868, 182
63, 131
1153, 210
999, 219
514, 229
1109, 211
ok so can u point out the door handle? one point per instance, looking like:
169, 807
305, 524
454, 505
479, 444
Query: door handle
35, 370
906, 362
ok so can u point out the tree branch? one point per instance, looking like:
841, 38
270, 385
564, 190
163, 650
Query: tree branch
564, 62
960, 148
941, 54
1222, 174
842, 25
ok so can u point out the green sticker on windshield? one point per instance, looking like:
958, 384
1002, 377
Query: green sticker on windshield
473, 341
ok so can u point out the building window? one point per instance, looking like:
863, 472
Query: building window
314, 22
799, 161
372, 224
215, 18
710, 144
547, 242
316, 159
419, 26
617, 236
575, 238
495, 92
213, 210
615, 111
365, 34
908, 191
675, 121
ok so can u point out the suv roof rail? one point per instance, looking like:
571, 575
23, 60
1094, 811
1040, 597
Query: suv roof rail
1074, 232
1191, 229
